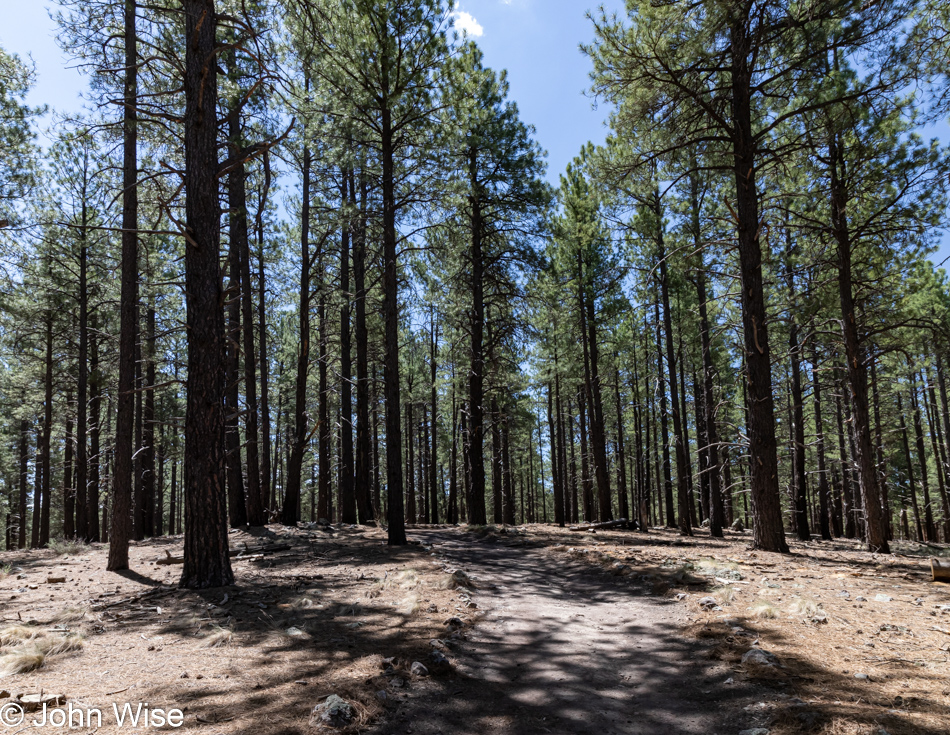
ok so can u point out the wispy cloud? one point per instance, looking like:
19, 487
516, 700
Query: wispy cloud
466, 23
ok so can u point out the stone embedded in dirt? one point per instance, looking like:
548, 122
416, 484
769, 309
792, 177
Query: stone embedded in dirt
433, 608
419, 669
335, 712
819, 617
681, 596
398, 682
708, 603
437, 643
55, 580
454, 623
756, 658
32, 702
471, 605
882, 598
382, 695
844, 593
439, 663
862, 677
4, 694
860, 599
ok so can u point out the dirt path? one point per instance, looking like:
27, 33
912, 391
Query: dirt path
564, 648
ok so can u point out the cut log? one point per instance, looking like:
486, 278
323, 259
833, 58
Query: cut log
940, 569
621, 523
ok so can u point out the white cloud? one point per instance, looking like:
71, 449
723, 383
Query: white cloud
466, 23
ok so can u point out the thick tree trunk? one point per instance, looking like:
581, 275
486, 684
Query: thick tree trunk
205, 496
936, 444
768, 533
325, 432
148, 425
476, 381
24, 480
496, 490
411, 512
121, 529
910, 469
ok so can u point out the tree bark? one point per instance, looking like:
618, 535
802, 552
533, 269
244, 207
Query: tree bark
206, 530
348, 512
364, 461
121, 529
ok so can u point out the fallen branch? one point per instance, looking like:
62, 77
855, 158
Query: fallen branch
622, 523
245, 553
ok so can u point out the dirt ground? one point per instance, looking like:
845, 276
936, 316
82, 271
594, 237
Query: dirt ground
526, 630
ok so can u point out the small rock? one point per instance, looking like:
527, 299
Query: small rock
862, 677
454, 623
55, 580
820, 617
860, 599
681, 596
438, 644
398, 682
438, 662
4, 694
433, 608
335, 712
472, 605
382, 695
418, 669
757, 658
882, 598
730, 680
844, 593
708, 603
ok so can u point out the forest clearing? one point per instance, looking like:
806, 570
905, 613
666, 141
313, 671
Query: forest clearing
528, 629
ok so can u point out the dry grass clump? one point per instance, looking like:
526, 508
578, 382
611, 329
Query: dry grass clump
71, 615
5, 571
456, 580
24, 648
764, 609
803, 606
725, 594
62, 547
217, 638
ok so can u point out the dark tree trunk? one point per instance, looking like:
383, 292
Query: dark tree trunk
598, 432
121, 529
476, 381
768, 533
148, 425
453, 511
587, 482
324, 497
508, 506
95, 399
621, 461
682, 488
936, 445
24, 480
47, 478
364, 461
875, 526
241, 247
554, 451
290, 510
798, 403
411, 513
434, 442
348, 512
69, 490
82, 388
205, 496
930, 529
824, 494
394, 479
879, 448
496, 490
847, 506
267, 486
945, 414
910, 470
664, 425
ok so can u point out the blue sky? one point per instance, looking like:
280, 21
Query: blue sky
535, 40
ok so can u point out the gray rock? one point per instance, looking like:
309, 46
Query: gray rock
756, 658
862, 677
438, 661
844, 593
382, 695
755, 731
398, 682
882, 598
419, 669
454, 623
860, 599
335, 712
708, 603
681, 596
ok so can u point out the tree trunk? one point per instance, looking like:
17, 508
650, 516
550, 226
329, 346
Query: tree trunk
364, 461
476, 381
82, 386
121, 529
47, 477
148, 424
95, 399
348, 512
69, 490
267, 488
875, 526
930, 529
824, 494
206, 530
24, 480
290, 510
768, 533
910, 469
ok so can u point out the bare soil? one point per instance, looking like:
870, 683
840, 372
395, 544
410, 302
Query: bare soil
550, 632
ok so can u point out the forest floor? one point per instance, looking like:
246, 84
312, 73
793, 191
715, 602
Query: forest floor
523, 630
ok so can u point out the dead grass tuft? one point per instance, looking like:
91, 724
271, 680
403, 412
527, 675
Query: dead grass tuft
764, 610
217, 638
21, 661
16, 634
62, 547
